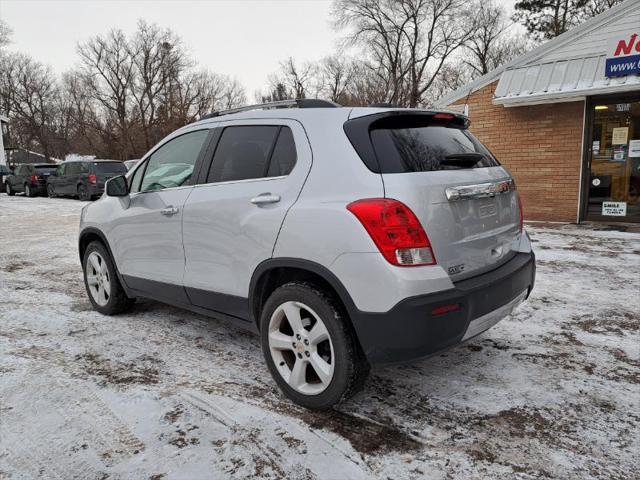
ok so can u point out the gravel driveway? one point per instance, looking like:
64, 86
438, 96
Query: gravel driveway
553, 391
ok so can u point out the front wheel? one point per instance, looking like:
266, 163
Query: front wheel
101, 281
9, 190
309, 347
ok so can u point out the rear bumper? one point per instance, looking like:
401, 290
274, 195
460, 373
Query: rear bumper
39, 188
411, 329
95, 190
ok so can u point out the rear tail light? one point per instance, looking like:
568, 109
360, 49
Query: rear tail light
395, 230
92, 178
34, 178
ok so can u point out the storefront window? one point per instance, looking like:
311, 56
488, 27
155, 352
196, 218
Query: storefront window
614, 176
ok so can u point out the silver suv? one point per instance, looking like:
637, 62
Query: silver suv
345, 236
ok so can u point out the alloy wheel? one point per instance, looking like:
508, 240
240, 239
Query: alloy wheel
301, 348
98, 280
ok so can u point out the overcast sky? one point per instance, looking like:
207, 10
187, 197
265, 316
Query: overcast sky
241, 38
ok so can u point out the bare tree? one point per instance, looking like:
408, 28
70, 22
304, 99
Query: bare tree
336, 74
127, 94
31, 97
5, 33
491, 45
298, 80
108, 68
407, 41
596, 7
277, 91
156, 56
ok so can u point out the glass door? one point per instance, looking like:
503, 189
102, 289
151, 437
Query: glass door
614, 160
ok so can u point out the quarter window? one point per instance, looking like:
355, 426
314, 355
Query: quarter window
172, 164
284, 154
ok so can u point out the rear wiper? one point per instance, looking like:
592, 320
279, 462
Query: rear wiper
462, 160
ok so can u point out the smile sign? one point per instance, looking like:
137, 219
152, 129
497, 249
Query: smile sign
623, 56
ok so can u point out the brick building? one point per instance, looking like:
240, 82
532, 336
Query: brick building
565, 120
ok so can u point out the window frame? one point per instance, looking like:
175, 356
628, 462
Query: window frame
219, 130
197, 166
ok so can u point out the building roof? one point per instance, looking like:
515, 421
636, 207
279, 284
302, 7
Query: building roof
566, 68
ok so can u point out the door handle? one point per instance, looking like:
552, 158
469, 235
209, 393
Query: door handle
265, 198
169, 211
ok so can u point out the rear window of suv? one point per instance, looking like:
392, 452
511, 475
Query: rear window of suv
45, 169
419, 143
109, 167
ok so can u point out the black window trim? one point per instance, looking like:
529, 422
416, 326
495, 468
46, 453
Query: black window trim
197, 166
204, 173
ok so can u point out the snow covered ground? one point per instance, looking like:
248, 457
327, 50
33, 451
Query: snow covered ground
553, 391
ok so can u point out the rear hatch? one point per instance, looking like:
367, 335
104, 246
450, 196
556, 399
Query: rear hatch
43, 172
106, 170
464, 199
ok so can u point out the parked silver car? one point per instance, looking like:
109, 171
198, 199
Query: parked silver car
344, 236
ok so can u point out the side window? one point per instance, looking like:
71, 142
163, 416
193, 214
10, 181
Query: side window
172, 164
284, 154
61, 170
72, 169
242, 153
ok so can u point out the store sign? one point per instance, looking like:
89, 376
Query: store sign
614, 209
623, 56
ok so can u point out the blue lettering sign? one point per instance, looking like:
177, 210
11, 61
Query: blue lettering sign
622, 66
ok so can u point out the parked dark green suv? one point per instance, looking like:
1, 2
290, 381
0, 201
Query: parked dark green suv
84, 179
30, 178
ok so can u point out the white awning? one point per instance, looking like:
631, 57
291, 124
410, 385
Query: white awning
562, 80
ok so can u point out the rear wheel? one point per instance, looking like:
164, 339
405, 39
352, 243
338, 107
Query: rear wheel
309, 348
101, 281
28, 191
51, 193
8, 189
83, 193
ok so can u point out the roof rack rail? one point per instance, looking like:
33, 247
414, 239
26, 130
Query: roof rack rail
297, 103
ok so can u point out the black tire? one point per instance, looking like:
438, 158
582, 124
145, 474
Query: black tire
118, 300
28, 191
8, 189
83, 193
51, 193
350, 369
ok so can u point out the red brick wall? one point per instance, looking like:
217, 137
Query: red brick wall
541, 145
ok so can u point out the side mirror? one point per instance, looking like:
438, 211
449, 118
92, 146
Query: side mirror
117, 187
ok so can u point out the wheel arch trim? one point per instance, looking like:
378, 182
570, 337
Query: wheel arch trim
300, 264
97, 232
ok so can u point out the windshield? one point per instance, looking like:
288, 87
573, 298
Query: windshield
109, 167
